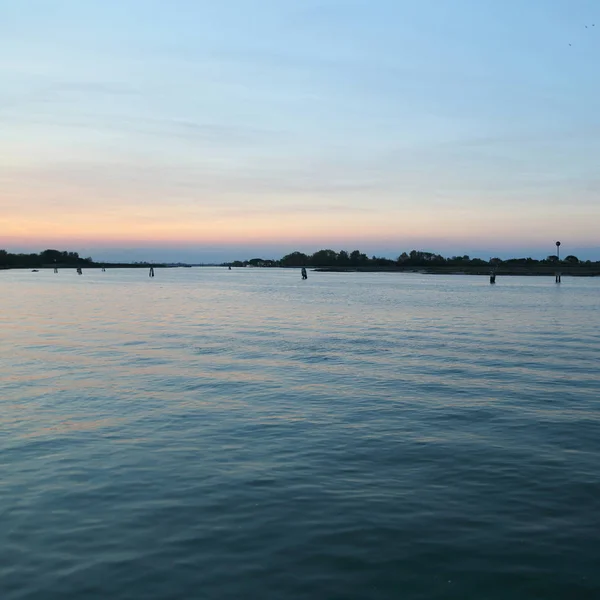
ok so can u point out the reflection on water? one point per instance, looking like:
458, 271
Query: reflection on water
243, 434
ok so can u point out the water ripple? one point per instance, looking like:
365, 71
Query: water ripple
242, 434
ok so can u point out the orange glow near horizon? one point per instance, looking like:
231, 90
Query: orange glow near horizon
306, 228
43, 211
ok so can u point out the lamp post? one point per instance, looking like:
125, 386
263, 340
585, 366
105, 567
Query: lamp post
557, 276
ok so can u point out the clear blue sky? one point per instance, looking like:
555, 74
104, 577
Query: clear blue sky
214, 130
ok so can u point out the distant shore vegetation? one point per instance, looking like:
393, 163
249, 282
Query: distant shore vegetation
330, 260
428, 262
49, 259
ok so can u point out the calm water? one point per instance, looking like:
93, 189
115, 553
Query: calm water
244, 434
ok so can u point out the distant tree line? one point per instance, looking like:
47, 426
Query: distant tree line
416, 260
47, 258
54, 258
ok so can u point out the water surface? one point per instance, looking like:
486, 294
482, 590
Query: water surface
244, 434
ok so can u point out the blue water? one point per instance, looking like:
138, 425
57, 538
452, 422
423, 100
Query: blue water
243, 434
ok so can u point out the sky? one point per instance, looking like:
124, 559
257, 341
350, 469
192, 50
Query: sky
207, 131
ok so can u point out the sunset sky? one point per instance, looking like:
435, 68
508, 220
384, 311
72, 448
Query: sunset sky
202, 130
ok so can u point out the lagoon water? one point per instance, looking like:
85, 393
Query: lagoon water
242, 434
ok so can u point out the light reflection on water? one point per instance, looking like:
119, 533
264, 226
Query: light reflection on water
247, 434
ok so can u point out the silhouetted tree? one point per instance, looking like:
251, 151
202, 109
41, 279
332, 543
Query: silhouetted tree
324, 258
357, 258
343, 258
295, 259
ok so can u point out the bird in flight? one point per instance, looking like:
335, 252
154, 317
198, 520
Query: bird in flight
593, 25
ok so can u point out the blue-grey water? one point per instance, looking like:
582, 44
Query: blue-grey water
243, 434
